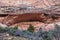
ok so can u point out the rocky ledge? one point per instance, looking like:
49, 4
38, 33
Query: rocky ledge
47, 25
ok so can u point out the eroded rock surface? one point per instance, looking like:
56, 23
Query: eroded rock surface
47, 23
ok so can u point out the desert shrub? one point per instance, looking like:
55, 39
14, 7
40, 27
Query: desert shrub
23, 33
44, 35
3, 29
11, 31
40, 32
51, 34
19, 33
56, 32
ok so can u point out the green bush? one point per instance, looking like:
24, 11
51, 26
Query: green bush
11, 31
45, 35
3, 29
51, 34
56, 32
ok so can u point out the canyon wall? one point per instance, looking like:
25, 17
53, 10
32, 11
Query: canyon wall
34, 3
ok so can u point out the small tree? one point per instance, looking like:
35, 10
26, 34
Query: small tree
16, 27
31, 28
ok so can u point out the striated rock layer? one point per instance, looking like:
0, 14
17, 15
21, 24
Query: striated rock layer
46, 22
34, 3
44, 11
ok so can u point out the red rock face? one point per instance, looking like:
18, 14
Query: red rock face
1, 19
45, 22
24, 17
